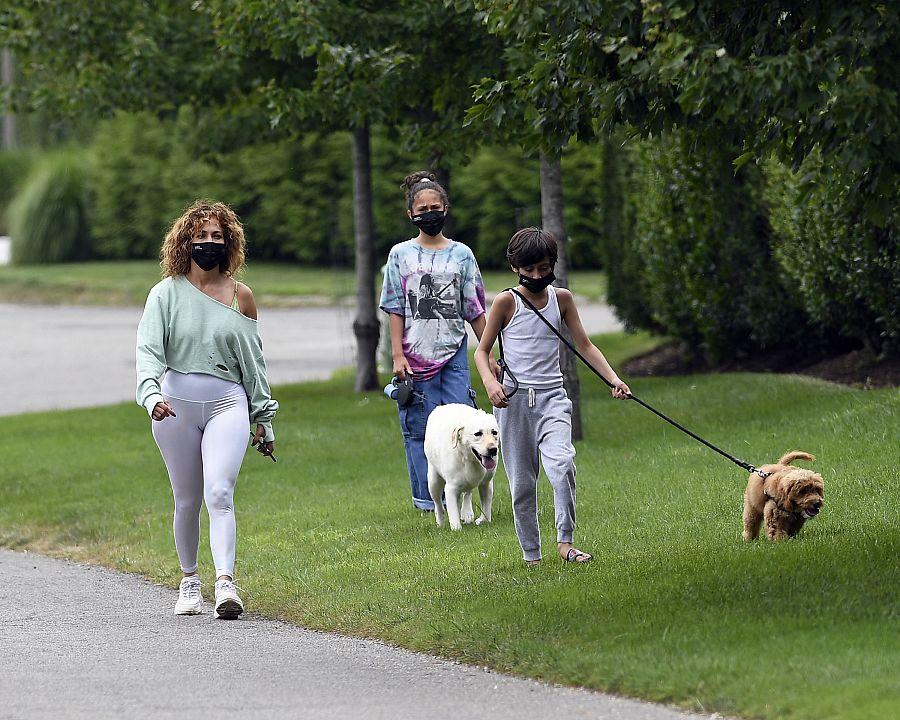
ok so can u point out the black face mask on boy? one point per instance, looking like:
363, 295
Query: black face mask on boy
535, 285
208, 255
431, 222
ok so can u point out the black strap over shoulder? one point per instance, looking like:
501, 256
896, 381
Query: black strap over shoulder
501, 363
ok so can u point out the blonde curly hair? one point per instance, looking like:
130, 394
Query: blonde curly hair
175, 253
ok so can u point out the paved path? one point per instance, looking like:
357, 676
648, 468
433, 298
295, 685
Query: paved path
85, 642
82, 642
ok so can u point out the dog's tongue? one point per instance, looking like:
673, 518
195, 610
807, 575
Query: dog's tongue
488, 463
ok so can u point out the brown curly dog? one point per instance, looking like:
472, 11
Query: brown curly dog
786, 499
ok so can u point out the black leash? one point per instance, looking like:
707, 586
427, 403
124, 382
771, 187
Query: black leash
505, 370
631, 396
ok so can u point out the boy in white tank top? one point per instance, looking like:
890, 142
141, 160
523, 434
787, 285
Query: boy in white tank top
536, 421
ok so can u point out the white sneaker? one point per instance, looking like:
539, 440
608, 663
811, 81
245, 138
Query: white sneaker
228, 604
190, 600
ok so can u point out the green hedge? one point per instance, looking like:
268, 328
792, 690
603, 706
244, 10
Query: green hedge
620, 196
696, 260
845, 268
295, 194
143, 175
734, 263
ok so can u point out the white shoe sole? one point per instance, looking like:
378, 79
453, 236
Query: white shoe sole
189, 609
229, 610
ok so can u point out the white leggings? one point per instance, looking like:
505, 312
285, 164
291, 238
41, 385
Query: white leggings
203, 447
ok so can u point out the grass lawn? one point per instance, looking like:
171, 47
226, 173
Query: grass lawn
674, 608
274, 284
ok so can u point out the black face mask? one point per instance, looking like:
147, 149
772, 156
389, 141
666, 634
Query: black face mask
431, 222
536, 285
208, 255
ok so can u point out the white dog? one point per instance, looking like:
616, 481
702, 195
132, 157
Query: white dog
461, 445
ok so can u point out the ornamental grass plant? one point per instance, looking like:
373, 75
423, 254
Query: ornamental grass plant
49, 218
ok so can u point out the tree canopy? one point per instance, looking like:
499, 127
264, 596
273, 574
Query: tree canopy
788, 78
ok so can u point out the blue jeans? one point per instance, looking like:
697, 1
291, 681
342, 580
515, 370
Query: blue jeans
450, 385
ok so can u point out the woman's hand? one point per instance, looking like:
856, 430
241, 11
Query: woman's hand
266, 448
161, 411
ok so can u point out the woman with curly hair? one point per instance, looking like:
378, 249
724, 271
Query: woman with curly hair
201, 376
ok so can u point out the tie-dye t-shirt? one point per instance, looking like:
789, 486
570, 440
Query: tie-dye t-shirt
437, 292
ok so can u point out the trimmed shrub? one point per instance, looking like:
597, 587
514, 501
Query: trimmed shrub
49, 217
144, 175
702, 243
497, 193
845, 268
583, 179
293, 197
294, 194
626, 289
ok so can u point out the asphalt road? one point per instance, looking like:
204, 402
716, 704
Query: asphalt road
59, 356
84, 642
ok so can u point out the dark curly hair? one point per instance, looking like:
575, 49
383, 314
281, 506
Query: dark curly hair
416, 182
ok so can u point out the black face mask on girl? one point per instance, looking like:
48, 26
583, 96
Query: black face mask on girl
431, 222
208, 255
535, 285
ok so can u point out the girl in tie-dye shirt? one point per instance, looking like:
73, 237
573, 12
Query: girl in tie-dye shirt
432, 287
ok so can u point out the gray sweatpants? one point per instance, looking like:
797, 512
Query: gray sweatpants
531, 437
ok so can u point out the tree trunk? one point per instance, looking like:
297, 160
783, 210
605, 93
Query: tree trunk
8, 141
552, 219
365, 325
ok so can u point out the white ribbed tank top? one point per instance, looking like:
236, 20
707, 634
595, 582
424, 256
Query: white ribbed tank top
530, 348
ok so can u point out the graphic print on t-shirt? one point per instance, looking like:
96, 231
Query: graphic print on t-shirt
436, 293
436, 297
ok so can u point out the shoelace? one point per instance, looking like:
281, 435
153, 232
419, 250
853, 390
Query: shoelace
190, 590
228, 586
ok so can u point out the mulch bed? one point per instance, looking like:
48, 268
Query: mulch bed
857, 368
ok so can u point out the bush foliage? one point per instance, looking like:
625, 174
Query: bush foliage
699, 264
49, 217
295, 194
736, 262
845, 268
14, 168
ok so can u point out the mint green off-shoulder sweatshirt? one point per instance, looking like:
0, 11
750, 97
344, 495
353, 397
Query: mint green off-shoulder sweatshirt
184, 329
